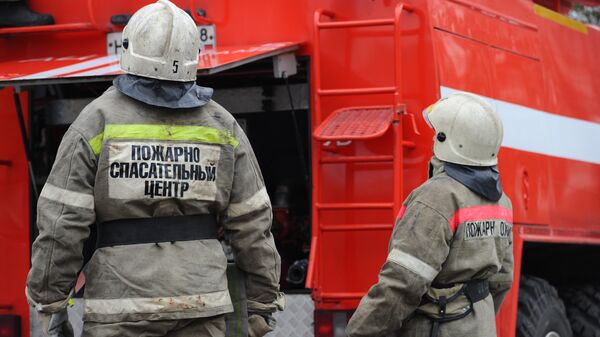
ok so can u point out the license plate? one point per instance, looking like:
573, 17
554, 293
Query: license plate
208, 38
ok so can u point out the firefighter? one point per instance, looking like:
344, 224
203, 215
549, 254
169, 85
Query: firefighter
158, 166
450, 259
16, 13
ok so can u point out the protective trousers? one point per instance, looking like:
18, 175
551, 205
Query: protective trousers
198, 327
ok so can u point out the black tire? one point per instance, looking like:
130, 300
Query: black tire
541, 311
583, 309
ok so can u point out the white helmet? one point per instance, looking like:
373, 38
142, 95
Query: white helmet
161, 41
468, 131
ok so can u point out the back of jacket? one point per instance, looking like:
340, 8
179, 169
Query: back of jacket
445, 234
123, 159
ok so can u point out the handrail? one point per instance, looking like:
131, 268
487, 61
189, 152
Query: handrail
355, 228
317, 52
93, 20
356, 91
362, 159
398, 141
357, 23
310, 273
355, 205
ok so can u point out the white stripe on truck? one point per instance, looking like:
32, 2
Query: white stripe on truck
541, 132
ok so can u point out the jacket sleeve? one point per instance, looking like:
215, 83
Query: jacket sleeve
65, 211
418, 247
247, 221
501, 282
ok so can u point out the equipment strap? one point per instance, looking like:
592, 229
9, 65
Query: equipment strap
474, 290
156, 229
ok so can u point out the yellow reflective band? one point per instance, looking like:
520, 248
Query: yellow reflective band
96, 143
559, 18
71, 302
203, 134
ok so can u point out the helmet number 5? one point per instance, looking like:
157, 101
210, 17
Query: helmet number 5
175, 66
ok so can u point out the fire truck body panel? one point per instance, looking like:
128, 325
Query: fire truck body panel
14, 207
513, 53
543, 86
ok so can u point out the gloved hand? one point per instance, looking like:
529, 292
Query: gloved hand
55, 325
258, 326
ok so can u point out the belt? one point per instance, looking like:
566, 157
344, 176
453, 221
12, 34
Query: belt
474, 291
156, 229
477, 290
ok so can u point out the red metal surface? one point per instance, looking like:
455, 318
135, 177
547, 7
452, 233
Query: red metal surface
374, 217
358, 91
63, 28
355, 123
367, 54
210, 61
14, 211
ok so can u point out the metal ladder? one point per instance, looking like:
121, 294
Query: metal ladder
356, 123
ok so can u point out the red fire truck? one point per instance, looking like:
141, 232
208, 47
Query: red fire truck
330, 94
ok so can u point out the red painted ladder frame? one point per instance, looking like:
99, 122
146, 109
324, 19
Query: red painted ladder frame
399, 144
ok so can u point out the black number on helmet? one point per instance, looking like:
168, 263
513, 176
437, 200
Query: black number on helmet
175, 66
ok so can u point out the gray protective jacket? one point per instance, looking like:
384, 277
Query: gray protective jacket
125, 159
446, 234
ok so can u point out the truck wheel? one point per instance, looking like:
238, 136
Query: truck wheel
541, 312
583, 309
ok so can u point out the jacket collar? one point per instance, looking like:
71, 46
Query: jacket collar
164, 94
484, 181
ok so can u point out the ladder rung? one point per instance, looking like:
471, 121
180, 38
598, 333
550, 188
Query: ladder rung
361, 227
339, 295
373, 205
362, 159
357, 91
356, 23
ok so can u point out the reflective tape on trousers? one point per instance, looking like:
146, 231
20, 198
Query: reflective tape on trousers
162, 132
157, 304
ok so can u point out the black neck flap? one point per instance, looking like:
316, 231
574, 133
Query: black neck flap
484, 181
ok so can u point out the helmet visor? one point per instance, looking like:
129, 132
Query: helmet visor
426, 113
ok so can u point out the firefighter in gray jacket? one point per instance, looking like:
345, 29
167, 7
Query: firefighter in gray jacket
158, 166
450, 260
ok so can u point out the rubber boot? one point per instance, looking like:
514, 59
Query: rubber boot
18, 14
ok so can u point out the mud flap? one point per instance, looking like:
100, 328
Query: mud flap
237, 321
